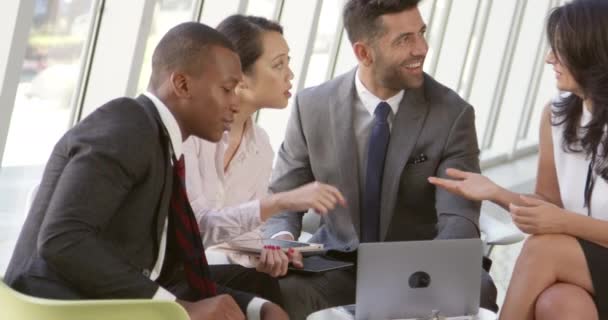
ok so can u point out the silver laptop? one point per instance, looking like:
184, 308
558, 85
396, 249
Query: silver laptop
413, 279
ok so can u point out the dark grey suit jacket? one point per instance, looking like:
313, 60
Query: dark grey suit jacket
94, 227
320, 145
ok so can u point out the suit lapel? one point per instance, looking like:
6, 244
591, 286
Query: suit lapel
164, 139
407, 125
343, 133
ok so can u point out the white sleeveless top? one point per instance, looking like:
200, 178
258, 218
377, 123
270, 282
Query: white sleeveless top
572, 170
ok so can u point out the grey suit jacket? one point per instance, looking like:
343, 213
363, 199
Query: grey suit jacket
94, 227
320, 145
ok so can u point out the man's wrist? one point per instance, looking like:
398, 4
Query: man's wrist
283, 235
269, 206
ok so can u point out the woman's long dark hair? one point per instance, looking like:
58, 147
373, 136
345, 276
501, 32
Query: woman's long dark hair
578, 35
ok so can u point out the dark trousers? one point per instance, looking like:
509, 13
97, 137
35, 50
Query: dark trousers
242, 284
247, 280
305, 294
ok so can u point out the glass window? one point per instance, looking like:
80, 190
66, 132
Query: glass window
489, 62
43, 106
262, 8
167, 14
426, 7
324, 43
547, 91
214, 11
455, 44
346, 59
519, 84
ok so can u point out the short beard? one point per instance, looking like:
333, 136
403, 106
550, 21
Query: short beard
390, 76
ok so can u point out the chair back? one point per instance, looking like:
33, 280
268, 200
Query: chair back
15, 305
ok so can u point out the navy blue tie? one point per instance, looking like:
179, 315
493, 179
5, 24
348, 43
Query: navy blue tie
376, 153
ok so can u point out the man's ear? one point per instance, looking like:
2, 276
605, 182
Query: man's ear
363, 52
244, 86
180, 85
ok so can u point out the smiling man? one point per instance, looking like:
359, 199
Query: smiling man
377, 133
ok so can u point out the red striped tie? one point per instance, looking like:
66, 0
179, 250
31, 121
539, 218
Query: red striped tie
186, 236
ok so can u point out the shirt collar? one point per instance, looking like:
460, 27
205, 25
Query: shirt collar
371, 101
168, 120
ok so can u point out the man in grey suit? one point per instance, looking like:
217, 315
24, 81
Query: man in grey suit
101, 224
377, 133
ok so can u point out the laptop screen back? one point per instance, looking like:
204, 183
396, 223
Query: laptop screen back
412, 279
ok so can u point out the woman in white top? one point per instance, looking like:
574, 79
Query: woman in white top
561, 271
227, 182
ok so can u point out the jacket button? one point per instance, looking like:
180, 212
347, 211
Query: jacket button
146, 272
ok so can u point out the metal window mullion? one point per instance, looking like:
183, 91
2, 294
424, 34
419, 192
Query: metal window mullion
335, 52
531, 94
17, 44
443, 23
140, 49
278, 10
523, 131
127, 63
524, 150
242, 8
87, 61
472, 61
532, 91
309, 45
197, 11
470, 45
505, 70
335, 48
432, 13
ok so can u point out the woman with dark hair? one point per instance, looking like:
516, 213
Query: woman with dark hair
227, 182
560, 273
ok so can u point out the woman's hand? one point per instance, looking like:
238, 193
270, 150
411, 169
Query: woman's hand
275, 262
538, 216
472, 186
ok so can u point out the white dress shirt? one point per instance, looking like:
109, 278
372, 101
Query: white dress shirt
363, 119
254, 307
226, 203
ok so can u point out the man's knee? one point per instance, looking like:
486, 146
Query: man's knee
299, 289
267, 287
303, 295
300, 297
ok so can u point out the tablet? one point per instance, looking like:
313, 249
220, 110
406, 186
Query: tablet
318, 264
256, 245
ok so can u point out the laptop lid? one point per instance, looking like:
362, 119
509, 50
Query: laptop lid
412, 279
